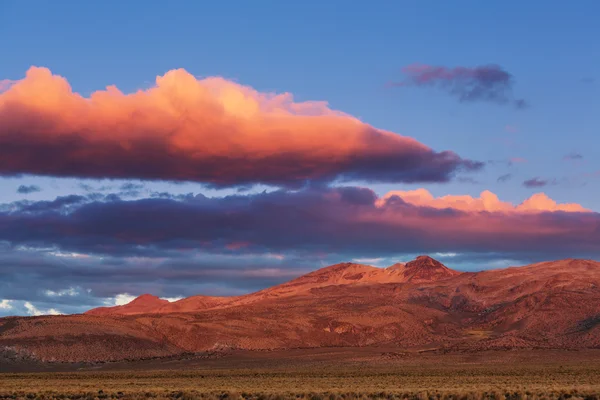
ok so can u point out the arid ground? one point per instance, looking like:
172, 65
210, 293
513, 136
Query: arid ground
318, 373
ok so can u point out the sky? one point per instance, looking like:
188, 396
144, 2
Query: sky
219, 148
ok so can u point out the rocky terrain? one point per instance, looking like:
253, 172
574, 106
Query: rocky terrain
418, 306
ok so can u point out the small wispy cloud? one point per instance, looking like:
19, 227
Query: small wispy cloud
574, 156
488, 83
172, 299
504, 178
26, 189
538, 182
5, 304
61, 293
34, 311
371, 261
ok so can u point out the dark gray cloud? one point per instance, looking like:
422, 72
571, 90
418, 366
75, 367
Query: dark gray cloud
538, 182
574, 156
488, 83
504, 178
330, 220
26, 189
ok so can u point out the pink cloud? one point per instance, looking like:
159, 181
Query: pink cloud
486, 202
209, 130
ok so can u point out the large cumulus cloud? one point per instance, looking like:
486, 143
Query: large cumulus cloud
210, 130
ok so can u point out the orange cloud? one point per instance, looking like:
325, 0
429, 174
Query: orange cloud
210, 130
486, 202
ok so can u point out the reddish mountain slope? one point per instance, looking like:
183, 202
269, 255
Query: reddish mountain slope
422, 269
419, 305
426, 269
143, 304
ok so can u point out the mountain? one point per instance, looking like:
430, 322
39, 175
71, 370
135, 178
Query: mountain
420, 305
140, 305
422, 269
148, 304
426, 269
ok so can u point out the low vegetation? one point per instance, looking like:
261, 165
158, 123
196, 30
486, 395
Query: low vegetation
426, 395
359, 382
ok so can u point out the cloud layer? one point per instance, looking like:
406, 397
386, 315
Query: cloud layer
82, 251
488, 83
210, 130
330, 220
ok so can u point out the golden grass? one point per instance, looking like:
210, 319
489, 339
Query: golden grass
325, 374
516, 383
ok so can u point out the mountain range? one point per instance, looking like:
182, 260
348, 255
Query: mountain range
421, 305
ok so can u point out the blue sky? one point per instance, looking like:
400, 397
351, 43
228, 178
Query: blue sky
345, 53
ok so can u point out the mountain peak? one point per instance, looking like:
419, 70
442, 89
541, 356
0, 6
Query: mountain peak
427, 269
147, 299
424, 262
145, 303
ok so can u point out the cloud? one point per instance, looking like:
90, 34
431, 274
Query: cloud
488, 83
34, 311
504, 178
573, 157
369, 261
536, 183
26, 189
211, 130
122, 299
89, 188
128, 186
5, 304
172, 299
486, 202
315, 220
65, 292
